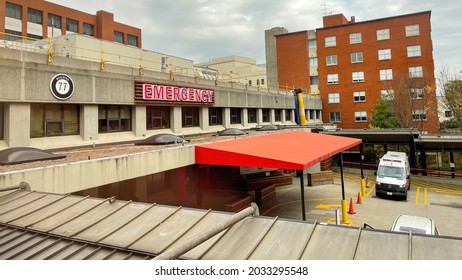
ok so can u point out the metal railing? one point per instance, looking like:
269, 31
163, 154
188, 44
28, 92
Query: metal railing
52, 48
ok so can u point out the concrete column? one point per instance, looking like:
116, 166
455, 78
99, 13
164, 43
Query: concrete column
204, 118
272, 116
89, 122
259, 116
245, 117
292, 116
17, 124
139, 120
175, 120
283, 116
226, 117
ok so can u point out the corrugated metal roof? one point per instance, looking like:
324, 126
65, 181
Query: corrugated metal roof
36, 225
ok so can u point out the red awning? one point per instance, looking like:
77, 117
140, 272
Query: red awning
296, 150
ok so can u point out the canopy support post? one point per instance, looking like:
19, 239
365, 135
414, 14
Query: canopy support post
302, 192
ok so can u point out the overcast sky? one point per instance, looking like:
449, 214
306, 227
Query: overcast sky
204, 29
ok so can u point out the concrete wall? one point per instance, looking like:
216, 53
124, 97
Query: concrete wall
76, 176
26, 77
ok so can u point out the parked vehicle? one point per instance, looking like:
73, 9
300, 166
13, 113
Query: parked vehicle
393, 175
415, 224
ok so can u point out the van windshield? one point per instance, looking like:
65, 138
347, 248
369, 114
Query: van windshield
391, 171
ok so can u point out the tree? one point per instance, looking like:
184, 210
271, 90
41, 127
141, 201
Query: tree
413, 99
453, 99
383, 115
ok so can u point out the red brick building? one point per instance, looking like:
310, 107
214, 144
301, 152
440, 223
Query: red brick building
38, 19
360, 62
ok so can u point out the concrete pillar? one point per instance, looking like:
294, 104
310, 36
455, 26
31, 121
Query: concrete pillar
227, 117
89, 122
139, 120
283, 116
176, 120
272, 117
17, 124
259, 116
244, 117
204, 118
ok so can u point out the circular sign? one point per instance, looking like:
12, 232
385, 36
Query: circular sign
62, 86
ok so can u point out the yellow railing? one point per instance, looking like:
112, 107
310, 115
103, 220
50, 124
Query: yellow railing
51, 48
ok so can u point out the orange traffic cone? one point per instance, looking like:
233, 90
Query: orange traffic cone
359, 201
352, 209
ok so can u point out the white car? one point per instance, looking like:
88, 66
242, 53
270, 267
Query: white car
415, 225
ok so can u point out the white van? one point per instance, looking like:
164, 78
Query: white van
393, 175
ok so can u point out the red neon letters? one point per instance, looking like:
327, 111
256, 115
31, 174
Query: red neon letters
177, 94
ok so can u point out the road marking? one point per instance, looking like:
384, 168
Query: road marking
417, 196
327, 206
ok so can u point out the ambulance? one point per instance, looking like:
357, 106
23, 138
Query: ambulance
393, 175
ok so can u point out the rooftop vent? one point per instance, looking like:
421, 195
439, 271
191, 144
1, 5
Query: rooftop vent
162, 139
18, 155
231, 132
269, 127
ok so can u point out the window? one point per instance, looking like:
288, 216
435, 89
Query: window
331, 60
157, 117
13, 11
359, 96
418, 93
419, 115
190, 116
54, 21
415, 72
118, 37
314, 80
387, 94
34, 16
235, 115
313, 62
250, 82
412, 30
413, 51
277, 115
265, 115
361, 116
358, 77
54, 120
312, 44
334, 97
252, 115
386, 74
332, 79
448, 114
114, 118
330, 41
215, 116
357, 57
383, 34
334, 117
72, 25
385, 54
355, 38
12, 35
132, 40
88, 29
2, 121
288, 114
262, 81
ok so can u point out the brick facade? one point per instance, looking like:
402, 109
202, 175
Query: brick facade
103, 22
292, 58
290, 48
